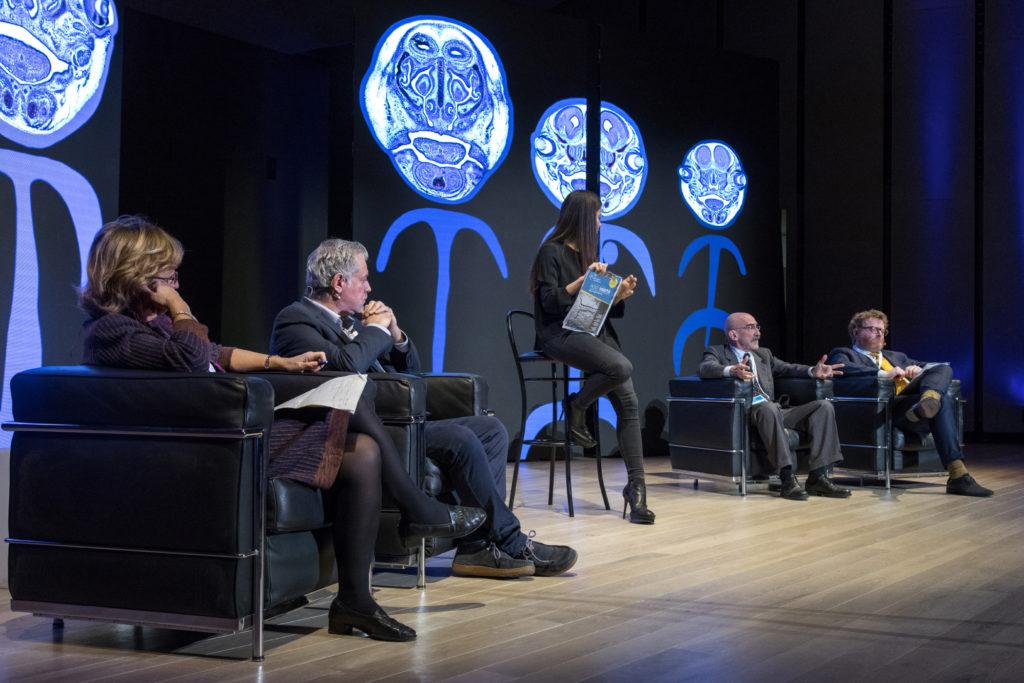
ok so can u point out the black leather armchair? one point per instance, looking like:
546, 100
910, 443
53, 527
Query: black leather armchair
710, 433
870, 441
138, 497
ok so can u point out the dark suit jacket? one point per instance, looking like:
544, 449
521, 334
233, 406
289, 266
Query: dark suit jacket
718, 358
304, 326
859, 365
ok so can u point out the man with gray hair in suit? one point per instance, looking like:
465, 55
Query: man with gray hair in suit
743, 358
363, 336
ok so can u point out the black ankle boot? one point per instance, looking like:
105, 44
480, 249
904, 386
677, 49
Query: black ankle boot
576, 419
635, 495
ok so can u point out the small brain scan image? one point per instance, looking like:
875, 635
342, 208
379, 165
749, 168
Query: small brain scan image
436, 100
54, 56
713, 183
559, 146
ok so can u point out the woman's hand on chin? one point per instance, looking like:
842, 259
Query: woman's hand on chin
168, 297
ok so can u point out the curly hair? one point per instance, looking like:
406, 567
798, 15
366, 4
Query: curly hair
857, 321
125, 256
331, 257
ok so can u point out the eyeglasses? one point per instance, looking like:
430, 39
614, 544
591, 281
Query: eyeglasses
751, 327
172, 280
877, 330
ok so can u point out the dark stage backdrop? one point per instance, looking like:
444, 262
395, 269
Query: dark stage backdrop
483, 245
1001, 294
57, 185
932, 247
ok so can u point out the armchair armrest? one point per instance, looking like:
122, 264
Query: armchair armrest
98, 396
452, 394
717, 388
396, 397
288, 385
400, 397
864, 387
803, 389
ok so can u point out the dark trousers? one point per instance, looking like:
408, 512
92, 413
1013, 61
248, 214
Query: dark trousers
608, 373
943, 425
816, 418
472, 453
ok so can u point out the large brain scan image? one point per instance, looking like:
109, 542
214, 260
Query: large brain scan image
559, 145
436, 101
713, 183
54, 57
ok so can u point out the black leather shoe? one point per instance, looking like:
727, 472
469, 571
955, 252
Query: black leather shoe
576, 420
792, 491
966, 486
379, 625
823, 486
925, 409
461, 521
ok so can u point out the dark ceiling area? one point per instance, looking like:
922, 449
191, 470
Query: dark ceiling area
290, 26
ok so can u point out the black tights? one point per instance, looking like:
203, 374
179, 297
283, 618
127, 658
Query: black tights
414, 505
355, 497
370, 460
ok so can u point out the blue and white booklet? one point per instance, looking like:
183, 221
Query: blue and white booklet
592, 303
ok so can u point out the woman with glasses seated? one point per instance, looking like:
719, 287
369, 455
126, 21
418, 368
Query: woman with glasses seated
139, 320
558, 271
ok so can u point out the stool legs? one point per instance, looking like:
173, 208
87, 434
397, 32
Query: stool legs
553, 444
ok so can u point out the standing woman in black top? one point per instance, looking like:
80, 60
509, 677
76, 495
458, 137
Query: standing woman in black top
557, 274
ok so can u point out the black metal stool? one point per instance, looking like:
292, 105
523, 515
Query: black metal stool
534, 359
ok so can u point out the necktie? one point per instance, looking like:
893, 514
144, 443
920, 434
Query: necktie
883, 363
753, 368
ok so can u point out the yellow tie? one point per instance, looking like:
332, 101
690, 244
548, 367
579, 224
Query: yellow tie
900, 382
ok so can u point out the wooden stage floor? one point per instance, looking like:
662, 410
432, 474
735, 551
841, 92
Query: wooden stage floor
905, 585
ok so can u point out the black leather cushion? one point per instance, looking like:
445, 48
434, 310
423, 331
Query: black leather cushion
92, 396
117, 490
292, 506
294, 558
455, 395
399, 397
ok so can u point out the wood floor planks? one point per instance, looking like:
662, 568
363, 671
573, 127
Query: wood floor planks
909, 584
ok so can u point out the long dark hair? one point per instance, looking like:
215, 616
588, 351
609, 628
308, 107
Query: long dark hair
577, 225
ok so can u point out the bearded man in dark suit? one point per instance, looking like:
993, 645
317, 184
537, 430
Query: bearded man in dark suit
921, 400
743, 358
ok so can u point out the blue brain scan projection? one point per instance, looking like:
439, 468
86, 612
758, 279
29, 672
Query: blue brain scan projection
436, 101
54, 57
559, 146
713, 183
